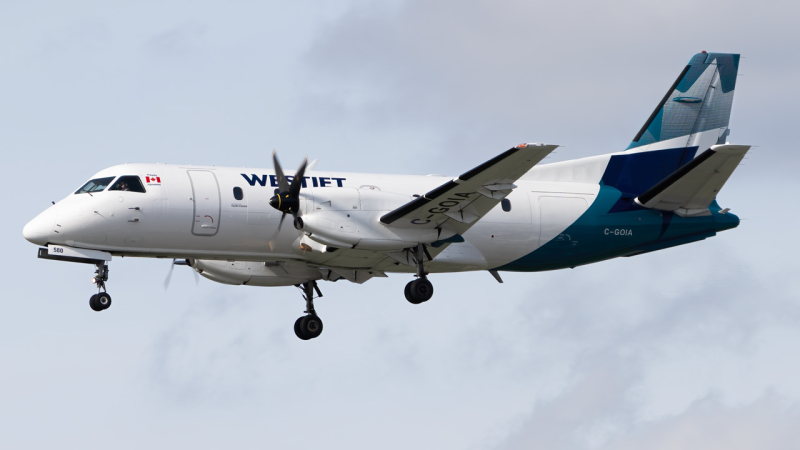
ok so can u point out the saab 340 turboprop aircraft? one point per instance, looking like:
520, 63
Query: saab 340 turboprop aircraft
507, 214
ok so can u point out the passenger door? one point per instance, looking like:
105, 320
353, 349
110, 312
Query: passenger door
206, 198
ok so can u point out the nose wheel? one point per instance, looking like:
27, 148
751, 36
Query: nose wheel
102, 300
420, 290
310, 325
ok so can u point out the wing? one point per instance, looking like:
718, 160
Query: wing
690, 190
464, 200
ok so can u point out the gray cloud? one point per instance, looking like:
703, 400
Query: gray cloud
181, 42
486, 74
646, 364
769, 422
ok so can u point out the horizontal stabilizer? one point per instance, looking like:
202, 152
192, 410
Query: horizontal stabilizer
690, 190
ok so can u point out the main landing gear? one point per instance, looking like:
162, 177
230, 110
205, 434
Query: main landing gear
420, 290
310, 325
100, 301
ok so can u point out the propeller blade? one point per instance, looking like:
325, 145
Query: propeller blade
297, 182
196, 277
169, 275
276, 233
280, 224
283, 184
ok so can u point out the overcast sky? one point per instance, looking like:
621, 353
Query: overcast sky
691, 347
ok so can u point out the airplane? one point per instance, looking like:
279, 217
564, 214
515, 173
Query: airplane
509, 213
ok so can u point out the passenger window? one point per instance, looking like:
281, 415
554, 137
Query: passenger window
237, 193
130, 183
96, 185
506, 204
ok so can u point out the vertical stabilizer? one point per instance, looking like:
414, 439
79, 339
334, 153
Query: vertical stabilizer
697, 108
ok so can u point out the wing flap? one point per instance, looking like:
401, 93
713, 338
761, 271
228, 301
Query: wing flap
470, 196
691, 189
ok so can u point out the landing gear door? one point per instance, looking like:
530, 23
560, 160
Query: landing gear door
206, 198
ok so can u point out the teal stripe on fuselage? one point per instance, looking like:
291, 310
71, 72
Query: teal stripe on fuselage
600, 234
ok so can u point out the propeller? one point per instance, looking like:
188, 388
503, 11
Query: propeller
287, 200
179, 262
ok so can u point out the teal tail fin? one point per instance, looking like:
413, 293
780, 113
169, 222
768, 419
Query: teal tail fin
696, 109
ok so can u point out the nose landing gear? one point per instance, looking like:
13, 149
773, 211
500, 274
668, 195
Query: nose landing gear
310, 325
420, 290
100, 301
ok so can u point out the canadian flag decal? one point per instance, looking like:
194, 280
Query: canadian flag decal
153, 179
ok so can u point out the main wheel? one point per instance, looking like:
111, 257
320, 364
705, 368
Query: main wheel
103, 300
420, 290
297, 330
409, 295
309, 327
93, 303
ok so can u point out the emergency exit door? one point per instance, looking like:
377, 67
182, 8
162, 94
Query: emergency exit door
206, 198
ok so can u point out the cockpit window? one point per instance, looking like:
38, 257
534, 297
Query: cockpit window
130, 183
96, 185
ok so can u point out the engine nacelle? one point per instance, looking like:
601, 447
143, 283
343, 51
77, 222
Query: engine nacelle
350, 218
256, 273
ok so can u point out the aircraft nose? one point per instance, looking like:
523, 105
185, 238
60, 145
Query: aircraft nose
38, 230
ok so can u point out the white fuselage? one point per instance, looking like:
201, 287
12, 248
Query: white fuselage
192, 212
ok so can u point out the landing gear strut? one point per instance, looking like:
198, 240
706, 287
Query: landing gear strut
310, 325
100, 301
420, 290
